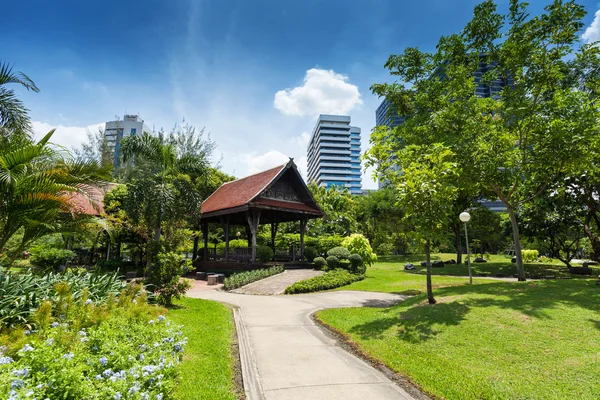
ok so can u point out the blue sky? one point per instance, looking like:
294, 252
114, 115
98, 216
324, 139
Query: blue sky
254, 73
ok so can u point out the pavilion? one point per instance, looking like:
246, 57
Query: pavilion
269, 197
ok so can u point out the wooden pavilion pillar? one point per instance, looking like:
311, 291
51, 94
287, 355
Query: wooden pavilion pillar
302, 230
227, 238
205, 238
253, 222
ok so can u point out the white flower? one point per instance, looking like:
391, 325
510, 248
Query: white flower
5, 360
27, 347
68, 356
88, 301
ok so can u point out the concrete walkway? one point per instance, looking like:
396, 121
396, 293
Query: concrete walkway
285, 356
278, 283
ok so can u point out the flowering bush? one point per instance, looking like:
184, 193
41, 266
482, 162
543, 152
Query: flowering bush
123, 349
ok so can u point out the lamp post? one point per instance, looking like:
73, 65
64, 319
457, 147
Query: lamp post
465, 217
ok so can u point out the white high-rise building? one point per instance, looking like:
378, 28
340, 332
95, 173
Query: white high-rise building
114, 131
334, 153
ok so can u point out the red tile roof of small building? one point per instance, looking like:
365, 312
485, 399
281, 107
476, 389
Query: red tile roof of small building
90, 204
285, 204
240, 192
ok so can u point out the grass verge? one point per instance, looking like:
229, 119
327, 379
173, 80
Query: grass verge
496, 341
209, 364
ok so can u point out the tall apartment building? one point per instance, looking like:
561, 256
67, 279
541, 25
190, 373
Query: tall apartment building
334, 154
114, 131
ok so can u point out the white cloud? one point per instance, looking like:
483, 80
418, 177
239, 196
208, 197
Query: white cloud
323, 92
301, 141
592, 33
68, 136
260, 162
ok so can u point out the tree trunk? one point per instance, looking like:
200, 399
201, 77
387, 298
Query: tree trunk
517, 242
594, 241
428, 262
154, 248
458, 244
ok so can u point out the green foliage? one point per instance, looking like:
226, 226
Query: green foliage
37, 185
342, 253
385, 249
13, 113
332, 262
20, 294
165, 279
233, 244
540, 127
310, 253
264, 253
357, 265
530, 255
327, 242
85, 350
358, 244
329, 280
339, 207
50, 258
244, 278
320, 262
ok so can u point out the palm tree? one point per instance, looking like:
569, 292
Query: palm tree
13, 113
37, 184
163, 187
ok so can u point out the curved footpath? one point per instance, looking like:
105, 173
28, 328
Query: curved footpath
286, 356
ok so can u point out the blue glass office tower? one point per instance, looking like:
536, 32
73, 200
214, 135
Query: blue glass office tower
334, 153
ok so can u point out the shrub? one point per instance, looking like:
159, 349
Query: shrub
233, 244
530, 255
264, 253
359, 244
19, 294
164, 278
320, 262
328, 242
122, 348
310, 253
332, 262
341, 253
244, 278
385, 249
356, 264
47, 258
329, 280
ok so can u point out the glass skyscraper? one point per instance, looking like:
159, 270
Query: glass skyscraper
334, 154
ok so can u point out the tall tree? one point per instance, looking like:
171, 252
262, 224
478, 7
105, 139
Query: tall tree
530, 133
426, 190
165, 188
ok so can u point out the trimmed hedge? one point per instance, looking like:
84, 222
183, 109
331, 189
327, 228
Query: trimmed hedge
244, 278
329, 280
332, 262
264, 253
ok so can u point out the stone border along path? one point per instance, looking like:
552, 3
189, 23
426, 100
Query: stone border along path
286, 356
276, 284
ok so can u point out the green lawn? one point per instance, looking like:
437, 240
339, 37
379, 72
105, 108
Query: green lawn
497, 264
207, 368
518, 340
388, 276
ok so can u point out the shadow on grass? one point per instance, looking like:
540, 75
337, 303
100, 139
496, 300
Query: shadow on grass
416, 321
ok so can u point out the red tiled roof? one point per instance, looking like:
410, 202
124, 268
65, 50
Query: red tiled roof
237, 193
92, 204
286, 204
